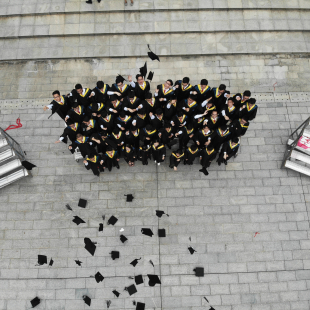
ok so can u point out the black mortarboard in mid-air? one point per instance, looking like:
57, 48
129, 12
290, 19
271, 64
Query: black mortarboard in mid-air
131, 289
112, 220
90, 246
143, 70
116, 293
51, 262
87, 300
147, 232
100, 227
199, 271
160, 213
191, 250
35, 301
114, 255
140, 306
162, 233
211, 308
82, 203
129, 197
153, 279
78, 262
152, 263
123, 238
109, 303
77, 220
42, 259
152, 55
99, 277
139, 279
135, 262
150, 76
206, 299
28, 165
120, 79
68, 207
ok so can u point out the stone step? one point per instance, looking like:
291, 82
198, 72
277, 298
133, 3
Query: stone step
299, 168
300, 156
178, 21
18, 7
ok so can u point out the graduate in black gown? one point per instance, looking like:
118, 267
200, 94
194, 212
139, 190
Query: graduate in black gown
170, 108
102, 140
85, 145
190, 154
114, 106
106, 121
140, 120
82, 95
59, 105
176, 158
131, 103
215, 120
145, 154
94, 162
229, 149
164, 91
130, 155
186, 135
239, 127
203, 91
183, 88
111, 159
203, 137
189, 106
152, 104
158, 152
76, 114
70, 132
118, 137
219, 136
141, 87
123, 121
100, 92
119, 88
157, 120
148, 134
207, 155
230, 112
133, 137
249, 109
89, 126
219, 96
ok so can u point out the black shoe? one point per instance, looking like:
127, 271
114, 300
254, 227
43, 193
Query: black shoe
206, 172
89, 1
169, 146
218, 162
201, 170
99, 1
117, 166
147, 163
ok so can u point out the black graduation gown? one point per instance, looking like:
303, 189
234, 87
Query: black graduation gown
218, 138
219, 100
237, 129
85, 147
118, 107
202, 138
175, 160
184, 104
178, 123
145, 155
186, 136
157, 123
249, 113
161, 94
95, 165
158, 153
71, 133
166, 137
82, 99
107, 122
182, 93
198, 122
230, 151
77, 117
169, 113
131, 105
140, 122
119, 140
124, 92
202, 95
101, 96
130, 156
151, 135
214, 124
61, 108
111, 161
89, 111
133, 139
231, 113
104, 143
126, 123
141, 91
207, 157
151, 107
189, 156
93, 127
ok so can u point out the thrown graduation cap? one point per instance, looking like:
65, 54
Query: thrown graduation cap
160, 213
150, 76
78, 262
112, 220
28, 165
99, 277
51, 262
152, 55
191, 250
68, 207
123, 238
147, 232
162, 233
143, 70
116, 293
152, 263
87, 300
120, 78
199, 271
77, 220
114, 255
131, 289
129, 197
135, 262
35, 301
139, 279
211, 308
90, 246
100, 227
109, 303
153, 279
140, 306
82, 203
42, 259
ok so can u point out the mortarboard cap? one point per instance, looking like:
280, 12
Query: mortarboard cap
82, 203
51, 262
116, 293
90, 246
87, 300
35, 301
77, 220
160, 213
131, 289
120, 79
152, 55
68, 207
114, 255
150, 76
140, 306
129, 197
123, 238
139, 279
28, 165
191, 250
153, 279
199, 271
143, 70
151, 262
112, 220
42, 259
147, 232
100, 227
211, 308
135, 262
99, 277
161, 233
78, 262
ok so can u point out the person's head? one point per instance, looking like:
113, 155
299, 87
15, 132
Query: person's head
210, 104
189, 127
191, 99
178, 152
204, 82
100, 84
79, 89
144, 148
148, 97
235, 140
230, 102
113, 99
205, 128
140, 78
246, 95
119, 81
141, 112
131, 94
79, 136
86, 119
238, 96
180, 114
104, 113
209, 147
103, 133
133, 129
116, 130
167, 126
214, 114
159, 112
252, 101
156, 142
148, 128
223, 127
94, 107
109, 150
128, 147
222, 88
185, 81
168, 83
122, 115
56, 95
193, 148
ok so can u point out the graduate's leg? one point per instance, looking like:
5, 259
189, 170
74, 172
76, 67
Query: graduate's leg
171, 165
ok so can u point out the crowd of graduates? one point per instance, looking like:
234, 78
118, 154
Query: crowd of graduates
127, 120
